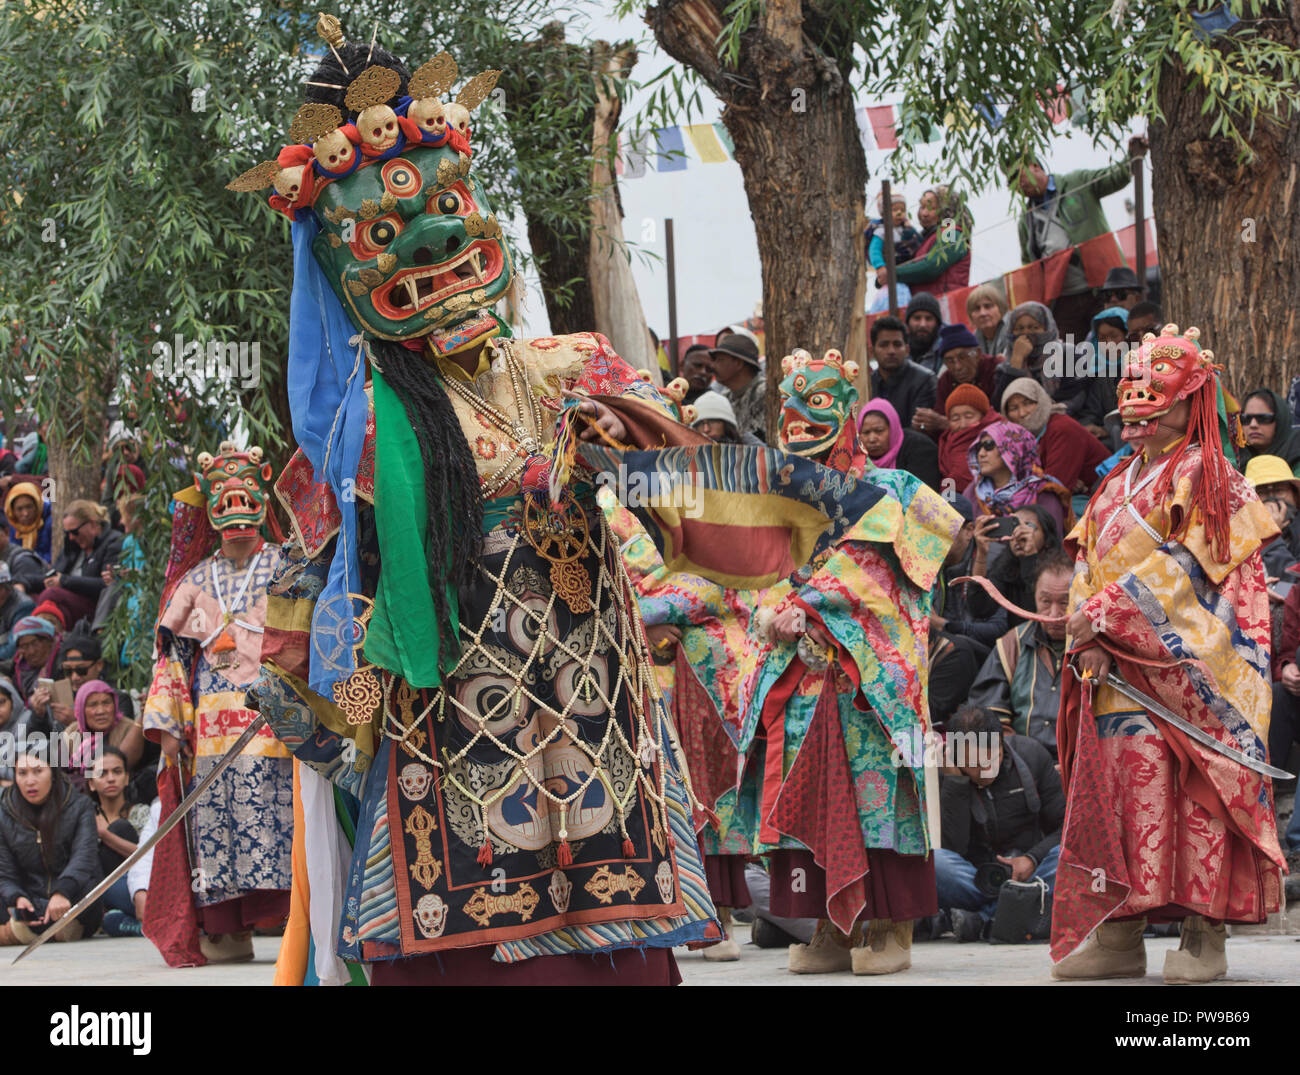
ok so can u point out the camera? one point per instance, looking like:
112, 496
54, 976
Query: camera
990, 877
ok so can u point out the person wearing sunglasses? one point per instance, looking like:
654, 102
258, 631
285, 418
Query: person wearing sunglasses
89, 545
1267, 422
1121, 288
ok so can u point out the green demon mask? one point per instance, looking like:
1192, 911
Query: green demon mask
235, 485
817, 397
410, 245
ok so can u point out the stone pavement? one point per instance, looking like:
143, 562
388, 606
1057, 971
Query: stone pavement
1254, 959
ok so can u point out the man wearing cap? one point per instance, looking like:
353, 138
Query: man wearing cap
1122, 288
737, 368
896, 378
1278, 488
963, 363
924, 319
14, 605
715, 418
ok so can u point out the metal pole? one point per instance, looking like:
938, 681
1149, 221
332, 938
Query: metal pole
1140, 210
672, 297
887, 217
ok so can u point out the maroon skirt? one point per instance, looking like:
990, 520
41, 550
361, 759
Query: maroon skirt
726, 877
474, 966
264, 908
899, 887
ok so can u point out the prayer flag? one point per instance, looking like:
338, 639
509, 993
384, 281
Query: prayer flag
670, 150
705, 140
882, 126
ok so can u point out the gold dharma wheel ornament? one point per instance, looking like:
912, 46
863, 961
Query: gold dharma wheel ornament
360, 694
559, 534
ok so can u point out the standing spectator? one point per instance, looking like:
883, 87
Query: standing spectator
987, 310
889, 446
1033, 337
1266, 420
49, 853
923, 319
736, 366
1008, 810
26, 569
694, 367
1121, 288
15, 718
37, 645
942, 261
1006, 476
1064, 211
31, 523
717, 421
968, 413
896, 378
962, 364
1066, 451
89, 546
14, 605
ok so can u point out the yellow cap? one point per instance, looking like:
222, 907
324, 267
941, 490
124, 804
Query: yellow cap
1269, 470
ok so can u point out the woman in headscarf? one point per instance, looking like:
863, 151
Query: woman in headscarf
1033, 334
968, 412
891, 447
1066, 450
14, 719
1006, 476
99, 713
942, 261
1269, 427
30, 519
1108, 341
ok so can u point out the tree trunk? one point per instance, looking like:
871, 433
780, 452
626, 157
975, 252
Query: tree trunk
789, 109
616, 304
1228, 234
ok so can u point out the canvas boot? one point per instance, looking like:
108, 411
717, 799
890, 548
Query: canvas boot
7, 936
22, 931
888, 948
226, 947
1113, 950
726, 950
826, 953
1201, 954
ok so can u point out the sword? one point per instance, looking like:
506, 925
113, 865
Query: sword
1201, 736
173, 819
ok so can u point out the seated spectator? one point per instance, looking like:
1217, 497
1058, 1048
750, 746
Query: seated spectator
89, 546
1033, 332
31, 523
14, 605
118, 822
1266, 421
923, 321
15, 719
137, 877
1121, 288
52, 614
968, 413
1097, 391
101, 723
1066, 450
906, 237
717, 421
1279, 489
49, 853
1284, 723
37, 646
695, 367
26, 568
1010, 809
33, 456
1015, 568
959, 640
942, 261
889, 446
987, 310
963, 364
896, 378
1143, 318
1006, 476
1020, 682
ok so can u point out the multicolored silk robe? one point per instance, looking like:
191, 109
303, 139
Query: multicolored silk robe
842, 767
240, 832
1157, 824
534, 802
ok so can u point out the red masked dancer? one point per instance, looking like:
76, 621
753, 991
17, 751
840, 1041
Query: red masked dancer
1168, 594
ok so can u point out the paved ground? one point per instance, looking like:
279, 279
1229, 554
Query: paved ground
1255, 960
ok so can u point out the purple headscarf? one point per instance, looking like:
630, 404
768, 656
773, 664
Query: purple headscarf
884, 407
85, 753
1019, 450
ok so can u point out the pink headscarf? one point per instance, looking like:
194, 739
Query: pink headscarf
883, 406
85, 753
